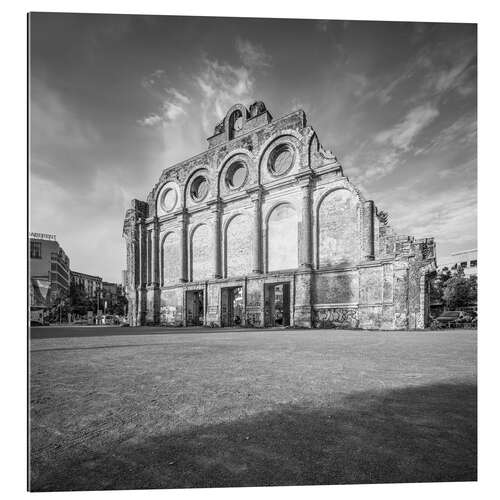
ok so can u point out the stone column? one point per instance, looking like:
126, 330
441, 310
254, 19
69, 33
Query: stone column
184, 247
155, 278
368, 230
256, 197
217, 240
149, 257
306, 227
142, 252
141, 302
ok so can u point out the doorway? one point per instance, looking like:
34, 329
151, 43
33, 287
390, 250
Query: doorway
277, 304
232, 306
194, 308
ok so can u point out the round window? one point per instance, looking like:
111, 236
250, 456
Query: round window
199, 188
281, 159
236, 175
168, 200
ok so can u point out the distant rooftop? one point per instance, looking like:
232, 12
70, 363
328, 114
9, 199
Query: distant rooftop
464, 251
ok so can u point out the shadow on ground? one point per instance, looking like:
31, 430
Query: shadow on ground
414, 434
54, 332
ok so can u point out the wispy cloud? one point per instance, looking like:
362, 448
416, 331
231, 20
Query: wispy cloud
172, 101
221, 86
403, 134
252, 55
218, 85
184, 99
449, 215
462, 132
391, 147
456, 77
435, 70
54, 124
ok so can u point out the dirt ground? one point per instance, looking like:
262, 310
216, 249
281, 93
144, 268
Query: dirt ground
116, 408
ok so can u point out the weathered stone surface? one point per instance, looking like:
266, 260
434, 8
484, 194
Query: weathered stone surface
201, 253
336, 288
282, 238
339, 236
297, 238
171, 259
371, 285
171, 307
238, 256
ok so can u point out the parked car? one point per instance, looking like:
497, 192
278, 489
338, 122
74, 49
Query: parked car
452, 319
109, 319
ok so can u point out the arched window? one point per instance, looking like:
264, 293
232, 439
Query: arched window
282, 238
235, 123
238, 257
201, 253
338, 229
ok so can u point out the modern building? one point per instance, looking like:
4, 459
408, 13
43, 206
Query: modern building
88, 283
263, 228
466, 260
49, 270
111, 293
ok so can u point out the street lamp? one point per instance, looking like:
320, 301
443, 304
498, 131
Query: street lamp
98, 294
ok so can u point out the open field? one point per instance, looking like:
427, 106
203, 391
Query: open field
115, 408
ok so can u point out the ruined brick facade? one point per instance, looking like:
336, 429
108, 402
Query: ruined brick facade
263, 229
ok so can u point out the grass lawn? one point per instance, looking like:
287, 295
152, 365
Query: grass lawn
141, 408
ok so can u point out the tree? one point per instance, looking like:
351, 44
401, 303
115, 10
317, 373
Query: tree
438, 284
79, 302
121, 304
460, 291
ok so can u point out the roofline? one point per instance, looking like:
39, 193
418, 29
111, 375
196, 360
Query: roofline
464, 251
85, 274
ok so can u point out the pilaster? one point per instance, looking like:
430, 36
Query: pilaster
183, 216
215, 208
141, 299
256, 197
305, 250
368, 230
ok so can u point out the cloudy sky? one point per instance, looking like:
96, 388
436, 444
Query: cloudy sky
116, 99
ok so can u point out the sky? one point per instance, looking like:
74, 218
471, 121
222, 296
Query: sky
115, 99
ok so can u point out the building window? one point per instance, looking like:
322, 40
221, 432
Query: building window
281, 159
35, 249
473, 263
463, 265
236, 175
199, 188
